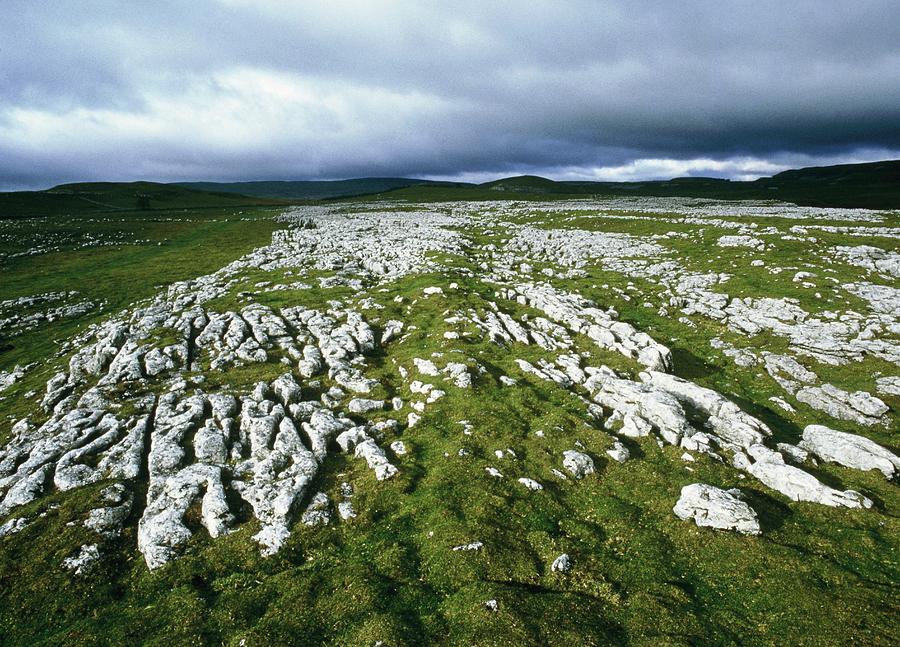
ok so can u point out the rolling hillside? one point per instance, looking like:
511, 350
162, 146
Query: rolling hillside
103, 197
875, 186
314, 189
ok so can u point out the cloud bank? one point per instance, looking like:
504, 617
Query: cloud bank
577, 89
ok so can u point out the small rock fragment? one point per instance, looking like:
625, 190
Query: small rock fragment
578, 464
531, 484
562, 564
84, 561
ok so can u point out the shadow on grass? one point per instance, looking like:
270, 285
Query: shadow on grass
772, 513
690, 366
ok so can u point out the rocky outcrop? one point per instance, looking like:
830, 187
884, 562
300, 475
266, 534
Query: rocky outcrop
874, 259
859, 407
769, 467
849, 450
266, 446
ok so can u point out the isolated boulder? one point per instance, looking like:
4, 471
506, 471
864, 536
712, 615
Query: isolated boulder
712, 507
562, 564
578, 464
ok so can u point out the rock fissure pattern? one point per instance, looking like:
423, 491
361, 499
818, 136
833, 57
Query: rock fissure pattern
137, 405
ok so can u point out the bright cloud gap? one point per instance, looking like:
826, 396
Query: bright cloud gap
576, 90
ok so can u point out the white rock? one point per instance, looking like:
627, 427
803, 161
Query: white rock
741, 241
712, 507
474, 545
14, 525
783, 404
849, 450
619, 452
562, 564
364, 405
858, 407
426, 367
345, 510
88, 555
793, 452
888, 385
531, 484
376, 459
317, 513
578, 464
798, 485
391, 330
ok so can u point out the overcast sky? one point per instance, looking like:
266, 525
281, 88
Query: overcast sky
265, 89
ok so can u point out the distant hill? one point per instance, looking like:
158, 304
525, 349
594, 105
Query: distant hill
100, 197
873, 185
524, 184
315, 189
868, 173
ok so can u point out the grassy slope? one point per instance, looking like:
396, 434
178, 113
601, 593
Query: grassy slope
310, 190
641, 576
102, 197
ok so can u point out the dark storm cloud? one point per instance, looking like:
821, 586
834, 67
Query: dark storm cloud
234, 89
